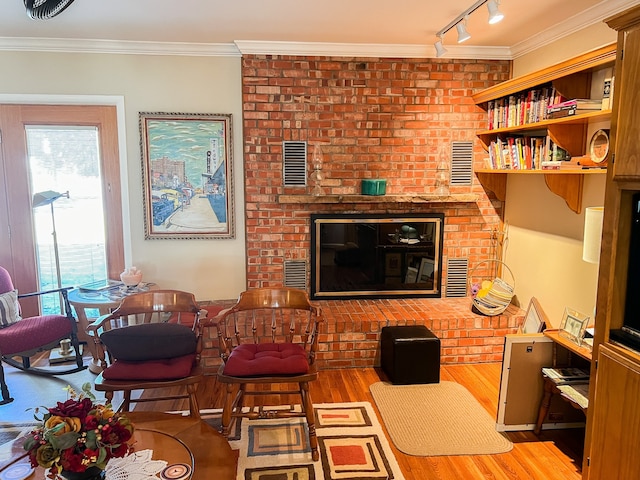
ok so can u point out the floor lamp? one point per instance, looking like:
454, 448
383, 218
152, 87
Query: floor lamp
47, 198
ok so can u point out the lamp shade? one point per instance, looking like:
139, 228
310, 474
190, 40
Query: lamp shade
495, 15
440, 50
45, 198
463, 35
592, 234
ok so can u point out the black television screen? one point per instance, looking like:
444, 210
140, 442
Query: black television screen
629, 334
376, 256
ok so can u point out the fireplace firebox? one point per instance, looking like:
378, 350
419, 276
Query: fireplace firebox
376, 256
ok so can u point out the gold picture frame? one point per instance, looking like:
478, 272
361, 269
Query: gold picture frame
187, 175
573, 325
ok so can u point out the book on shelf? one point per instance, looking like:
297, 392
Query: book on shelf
521, 108
573, 107
579, 103
566, 375
525, 153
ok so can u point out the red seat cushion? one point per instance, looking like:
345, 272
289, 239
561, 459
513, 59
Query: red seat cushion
33, 332
159, 369
213, 310
266, 359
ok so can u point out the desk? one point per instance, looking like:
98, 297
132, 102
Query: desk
550, 387
211, 453
104, 303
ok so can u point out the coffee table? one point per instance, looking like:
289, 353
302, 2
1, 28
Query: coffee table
173, 438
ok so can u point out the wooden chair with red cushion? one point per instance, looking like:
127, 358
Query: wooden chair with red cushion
151, 341
24, 337
269, 339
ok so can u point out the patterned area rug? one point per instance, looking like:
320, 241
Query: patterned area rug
351, 441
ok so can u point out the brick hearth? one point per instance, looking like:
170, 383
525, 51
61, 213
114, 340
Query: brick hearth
351, 332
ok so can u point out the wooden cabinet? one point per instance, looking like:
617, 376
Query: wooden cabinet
615, 423
573, 79
627, 165
613, 420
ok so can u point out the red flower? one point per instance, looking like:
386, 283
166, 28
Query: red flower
72, 461
115, 433
73, 408
91, 422
120, 451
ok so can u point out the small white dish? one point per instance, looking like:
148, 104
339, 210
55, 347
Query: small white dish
18, 471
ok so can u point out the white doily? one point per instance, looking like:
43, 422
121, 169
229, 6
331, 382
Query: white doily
136, 466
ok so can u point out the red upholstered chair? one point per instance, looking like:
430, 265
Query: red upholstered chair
24, 337
268, 339
151, 341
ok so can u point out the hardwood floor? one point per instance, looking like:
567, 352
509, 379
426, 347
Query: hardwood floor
554, 455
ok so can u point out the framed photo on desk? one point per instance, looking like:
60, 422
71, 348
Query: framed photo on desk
573, 325
535, 321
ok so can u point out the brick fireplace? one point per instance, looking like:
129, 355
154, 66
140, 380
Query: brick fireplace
374, 118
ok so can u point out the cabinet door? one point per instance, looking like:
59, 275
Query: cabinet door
627, 149
616, 418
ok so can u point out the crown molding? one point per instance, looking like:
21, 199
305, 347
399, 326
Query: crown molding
247, 47
251, 47
30, 44
587, 18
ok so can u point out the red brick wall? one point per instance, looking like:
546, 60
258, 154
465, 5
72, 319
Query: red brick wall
350, 335
375, 118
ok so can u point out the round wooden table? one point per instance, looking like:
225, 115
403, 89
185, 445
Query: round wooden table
213, 456
102, 301
172, 438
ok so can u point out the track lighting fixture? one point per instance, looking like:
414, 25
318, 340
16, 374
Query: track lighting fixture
495, 15
463, 35
440, 50
460, 23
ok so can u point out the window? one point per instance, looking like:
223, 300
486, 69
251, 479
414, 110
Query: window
60, 148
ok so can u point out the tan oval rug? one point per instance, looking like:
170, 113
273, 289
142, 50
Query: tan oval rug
437, 419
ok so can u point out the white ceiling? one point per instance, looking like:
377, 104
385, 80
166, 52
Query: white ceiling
353, 27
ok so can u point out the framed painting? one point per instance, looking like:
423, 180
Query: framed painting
187, 171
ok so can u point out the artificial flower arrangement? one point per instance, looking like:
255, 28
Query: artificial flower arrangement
78, 435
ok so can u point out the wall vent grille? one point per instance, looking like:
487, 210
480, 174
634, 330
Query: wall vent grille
457, 277
294, 163
295, 274
461, 163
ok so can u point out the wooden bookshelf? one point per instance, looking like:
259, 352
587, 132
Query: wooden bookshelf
572, 79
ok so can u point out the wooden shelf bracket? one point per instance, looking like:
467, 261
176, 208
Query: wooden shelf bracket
569, 187
495, 183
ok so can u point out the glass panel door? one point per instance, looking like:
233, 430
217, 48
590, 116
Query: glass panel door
66, 186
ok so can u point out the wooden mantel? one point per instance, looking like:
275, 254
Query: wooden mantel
350, 198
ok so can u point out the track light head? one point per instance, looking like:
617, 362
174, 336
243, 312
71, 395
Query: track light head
440, 50
495, 15
463, 35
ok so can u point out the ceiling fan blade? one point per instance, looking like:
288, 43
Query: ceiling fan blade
45, 9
